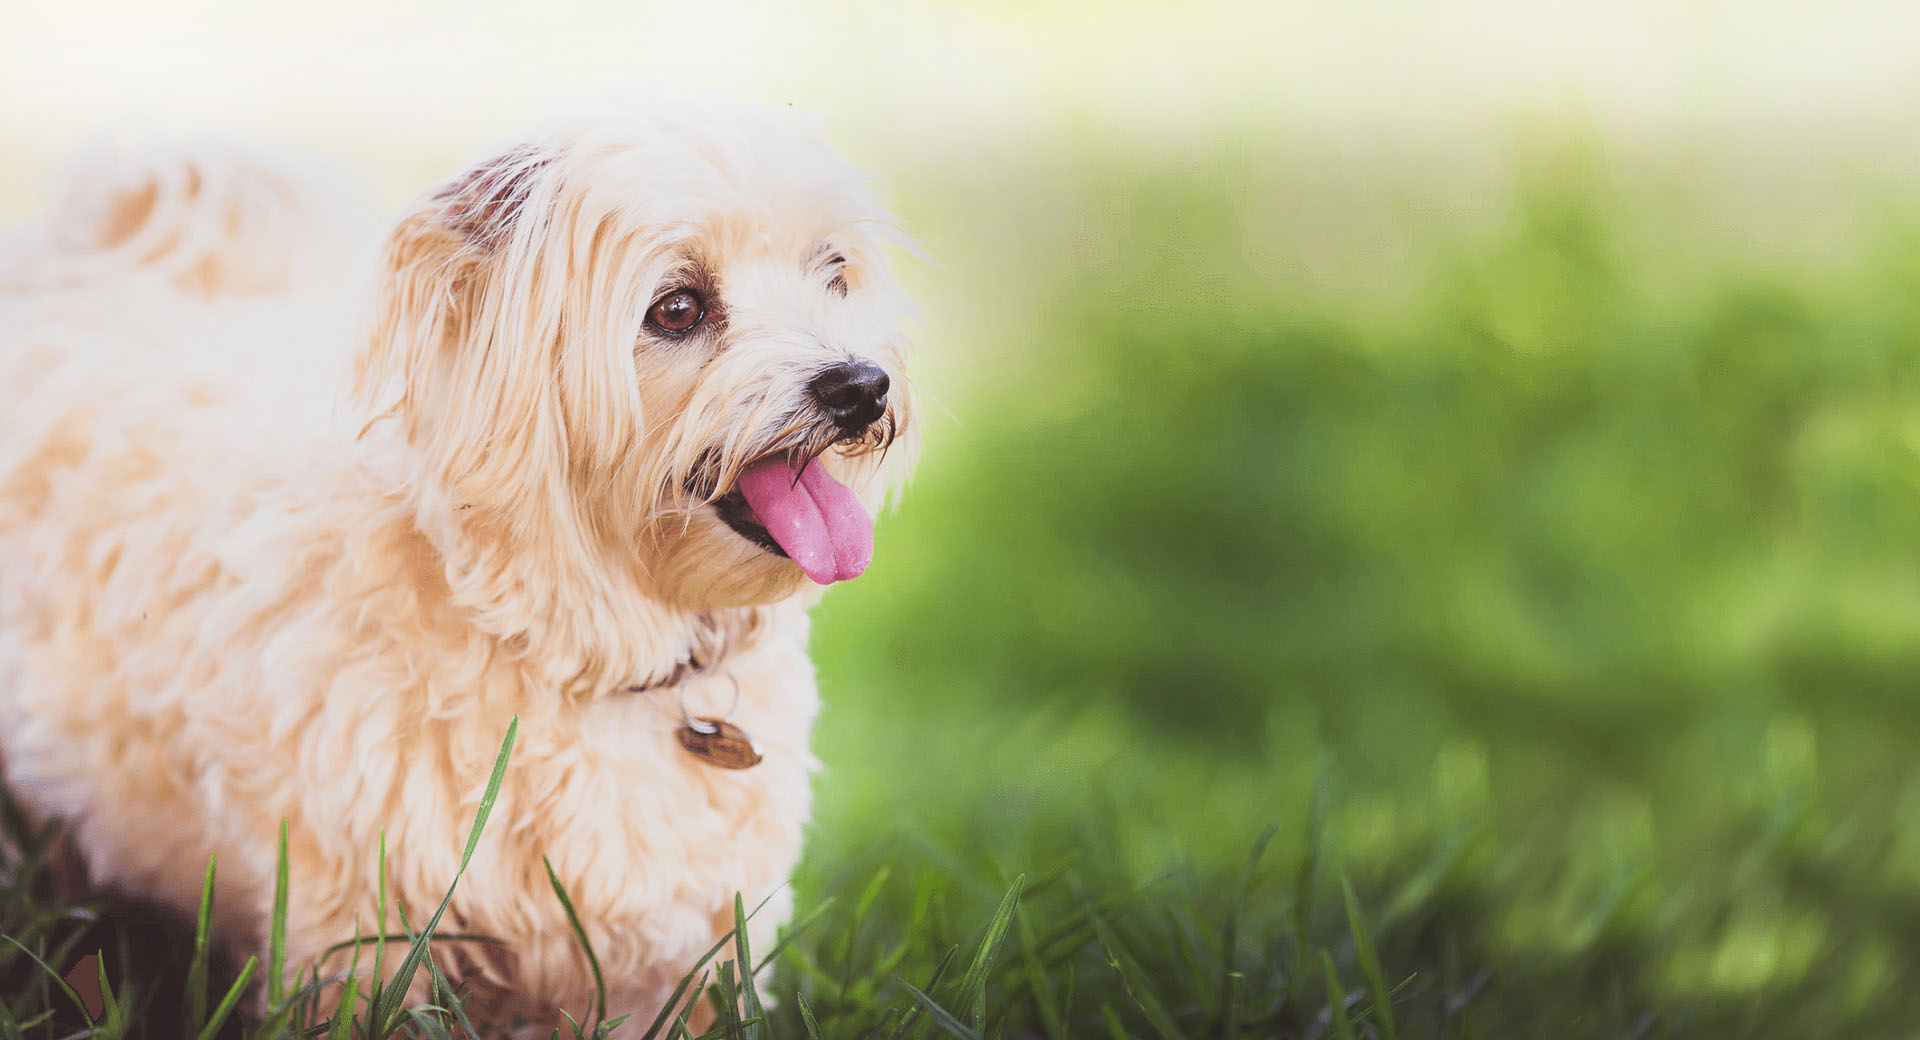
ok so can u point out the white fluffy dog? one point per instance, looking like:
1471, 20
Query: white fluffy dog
624, 395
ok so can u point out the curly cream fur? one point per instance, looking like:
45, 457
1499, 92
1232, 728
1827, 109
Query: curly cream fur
235, 590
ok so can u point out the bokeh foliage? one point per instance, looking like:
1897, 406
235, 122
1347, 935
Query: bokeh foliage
1578, 573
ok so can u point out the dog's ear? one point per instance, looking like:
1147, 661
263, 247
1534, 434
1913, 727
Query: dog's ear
465, 330
485, 202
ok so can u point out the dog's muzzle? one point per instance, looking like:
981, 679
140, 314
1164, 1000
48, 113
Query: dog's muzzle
853, 394
802, 510
784, 500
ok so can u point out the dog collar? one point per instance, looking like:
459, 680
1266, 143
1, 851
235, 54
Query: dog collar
710, 738
717, 740
676, 676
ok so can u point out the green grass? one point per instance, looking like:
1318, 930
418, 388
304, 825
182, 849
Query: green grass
1527, 651
832, 965
1053, 959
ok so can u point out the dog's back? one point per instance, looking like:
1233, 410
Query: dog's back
165, 276
209, 218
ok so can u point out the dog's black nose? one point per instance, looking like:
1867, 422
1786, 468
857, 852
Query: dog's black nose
853, 394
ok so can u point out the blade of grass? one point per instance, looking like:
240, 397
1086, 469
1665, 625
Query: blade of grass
310, 1005
341, 1028
599, 1009
941, 1016
347, 1006
1369, 964
60, 953
680, 1023
973, 985
726, 1001
277, 937
400, 937
425, 1023
1336, 1000
231, 1000
1132, 980
58, 980
913, 1014
275, 1021
299, 1005
679, 991
380, 947
743, 956
442, 989
806, 1016
1230, 931
387, 1011
196, 997
114, 1027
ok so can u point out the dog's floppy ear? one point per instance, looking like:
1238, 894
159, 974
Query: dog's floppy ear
479, 324
464, 332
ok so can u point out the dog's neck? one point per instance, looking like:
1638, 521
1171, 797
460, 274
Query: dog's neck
581, 620
713, 635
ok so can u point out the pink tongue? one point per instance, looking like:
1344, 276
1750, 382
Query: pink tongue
815, 519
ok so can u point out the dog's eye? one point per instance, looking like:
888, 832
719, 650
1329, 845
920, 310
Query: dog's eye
838, 265
677, 311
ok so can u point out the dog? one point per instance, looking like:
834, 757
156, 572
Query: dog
599, 420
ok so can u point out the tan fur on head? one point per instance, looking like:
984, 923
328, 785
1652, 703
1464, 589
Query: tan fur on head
219, 609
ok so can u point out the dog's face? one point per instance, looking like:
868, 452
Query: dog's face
664, 340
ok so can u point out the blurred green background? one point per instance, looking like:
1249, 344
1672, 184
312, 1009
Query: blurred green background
1580, 581
1481, 441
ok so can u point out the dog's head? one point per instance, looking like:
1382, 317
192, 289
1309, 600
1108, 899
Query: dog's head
658, 339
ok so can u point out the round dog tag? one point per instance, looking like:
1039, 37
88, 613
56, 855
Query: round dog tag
720, 743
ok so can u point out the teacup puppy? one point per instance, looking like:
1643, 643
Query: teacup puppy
625, 395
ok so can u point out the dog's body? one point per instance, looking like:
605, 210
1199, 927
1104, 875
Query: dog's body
229, 598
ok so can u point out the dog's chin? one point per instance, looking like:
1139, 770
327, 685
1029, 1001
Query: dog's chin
709, 562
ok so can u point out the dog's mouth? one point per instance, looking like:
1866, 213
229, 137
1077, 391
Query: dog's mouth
734, 511
796, 509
